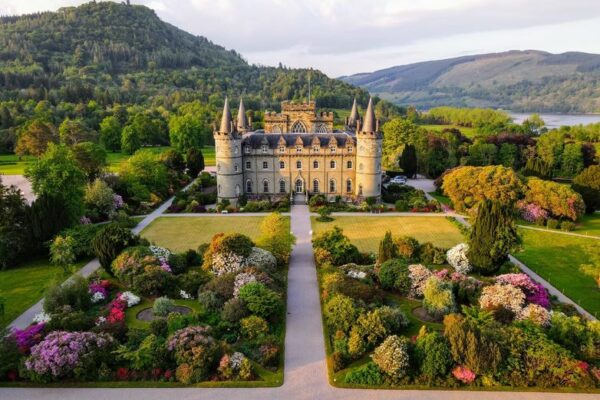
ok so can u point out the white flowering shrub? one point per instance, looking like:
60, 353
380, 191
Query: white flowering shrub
240, 280
502, 296
130, 298
391, 356
161, 253
353, 273
262, 259
98, 297
457, 258
185, 295
42, 318
100, 320
224, 263
536, 314
418, 275
236, 360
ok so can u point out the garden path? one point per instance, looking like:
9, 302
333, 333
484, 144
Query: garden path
305, 366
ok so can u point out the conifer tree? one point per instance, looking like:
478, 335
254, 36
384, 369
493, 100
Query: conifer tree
492, 237
387, 249
408, 160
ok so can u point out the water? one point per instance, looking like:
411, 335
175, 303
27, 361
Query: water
558, 120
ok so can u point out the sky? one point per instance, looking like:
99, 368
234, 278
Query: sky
343, 37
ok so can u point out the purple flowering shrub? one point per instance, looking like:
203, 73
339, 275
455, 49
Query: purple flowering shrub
531, 212
63, 354
535, 292
28, 337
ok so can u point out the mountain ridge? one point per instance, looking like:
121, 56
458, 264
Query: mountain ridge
529, 80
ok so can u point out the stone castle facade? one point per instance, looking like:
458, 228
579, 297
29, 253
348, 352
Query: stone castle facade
298, 151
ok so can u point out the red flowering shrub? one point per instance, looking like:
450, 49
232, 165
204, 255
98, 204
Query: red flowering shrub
463, 374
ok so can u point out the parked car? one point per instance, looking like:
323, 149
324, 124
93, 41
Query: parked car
399, 180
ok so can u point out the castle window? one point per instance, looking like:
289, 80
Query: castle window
321, 128
349, 149
237, 190
349, 165
266, 186
248, 186
248, 165
316, 186
247, 149
282, 186
236, 150
282, 149
265, 165
298, 127
299, 149
281, 165
332, 148
316, 148
299, 164
235, 168
315, 164
349, 186
360, 190
265, 148
332, 186
332, 164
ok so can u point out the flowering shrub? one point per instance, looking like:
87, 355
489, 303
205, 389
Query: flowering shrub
166, 267
161, 253
195, 353
29, 336
539, 296
357, 274
85, 220
132, 262
502, 296
98, 297
463, 374
185, 295
457, 258
531, 212
535, 292
42, 318
242, 279
262, 259
391, 356
418, 275
438, 297
69, 354
224, 263
536, 314
118, 201
237, 366
129, 298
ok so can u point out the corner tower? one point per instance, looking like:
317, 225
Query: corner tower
228, 152
368, 155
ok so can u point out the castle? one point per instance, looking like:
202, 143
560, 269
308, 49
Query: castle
298, 152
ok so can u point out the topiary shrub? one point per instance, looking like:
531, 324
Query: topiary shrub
391, 356
109, 242
393, 274
162, 306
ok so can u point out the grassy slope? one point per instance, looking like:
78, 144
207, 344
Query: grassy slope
23, 286
366, 232
468, 132
557, 258
10, 164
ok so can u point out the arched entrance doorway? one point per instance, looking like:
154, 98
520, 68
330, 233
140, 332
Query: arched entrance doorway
299, 186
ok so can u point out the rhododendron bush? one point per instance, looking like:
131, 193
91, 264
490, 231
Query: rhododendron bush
499, 296
418, 275
531, 212
535, 292
536, 314
457, 258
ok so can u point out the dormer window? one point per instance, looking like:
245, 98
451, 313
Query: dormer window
349, 149
282, 149
316, 148
265, 148
298, 148
332, 148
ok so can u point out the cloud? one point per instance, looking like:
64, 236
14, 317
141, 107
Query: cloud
341, 36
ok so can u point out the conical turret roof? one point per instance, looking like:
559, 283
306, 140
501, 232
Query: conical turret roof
226, 118
242, 121
369, 124
353, 114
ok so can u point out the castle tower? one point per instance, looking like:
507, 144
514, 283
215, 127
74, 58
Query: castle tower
242, 124
353, 118
368, 156
228, 149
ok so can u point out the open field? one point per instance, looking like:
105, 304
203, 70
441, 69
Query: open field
23, 286
558, 259
468, 132
367, 232
11, 165
183, 233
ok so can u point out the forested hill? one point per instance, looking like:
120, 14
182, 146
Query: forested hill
515, 80
111, 52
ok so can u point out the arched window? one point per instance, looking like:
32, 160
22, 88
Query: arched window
248, 186
332, 148
321, 128
298, 127
349, 186
316, 186
315, 164
265, 186
282, 186
332, 164
276, 129
237, 190
299, 186
332, 186
299, 164
349, 165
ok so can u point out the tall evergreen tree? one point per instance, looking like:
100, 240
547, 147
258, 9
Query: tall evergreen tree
387, 249
493, 235
194, 161
408, 160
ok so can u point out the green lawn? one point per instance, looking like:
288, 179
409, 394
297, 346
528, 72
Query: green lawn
587, 225
468, 132
367, 232
24, 286
11, 165
183, 233
558, 259
442, 199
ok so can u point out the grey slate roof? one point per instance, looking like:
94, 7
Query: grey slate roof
258, 138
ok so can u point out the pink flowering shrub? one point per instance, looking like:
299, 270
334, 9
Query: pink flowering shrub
531, 212
499, 296
463, 374
418, 275
536, 314
28, 337
69, 355
535, 292
539, 296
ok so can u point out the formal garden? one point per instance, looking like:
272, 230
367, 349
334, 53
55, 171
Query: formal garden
210, 315
420, 313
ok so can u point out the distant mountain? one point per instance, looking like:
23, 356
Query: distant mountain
514, 80
110, 52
